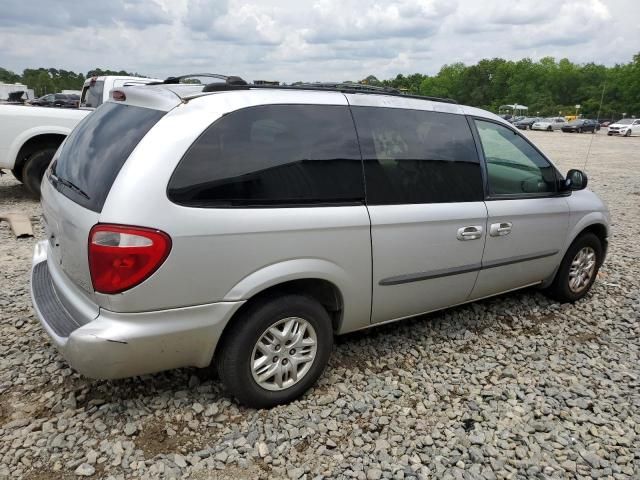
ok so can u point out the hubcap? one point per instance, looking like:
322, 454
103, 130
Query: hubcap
284, 354
582, 268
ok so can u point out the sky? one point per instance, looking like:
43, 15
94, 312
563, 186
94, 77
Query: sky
315, 40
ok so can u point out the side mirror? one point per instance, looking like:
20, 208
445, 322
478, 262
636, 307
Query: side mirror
576, 180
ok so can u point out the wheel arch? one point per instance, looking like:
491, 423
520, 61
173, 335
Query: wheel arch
27, 145
322, 290
595, 223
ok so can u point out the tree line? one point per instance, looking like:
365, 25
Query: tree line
52, 80
546, 86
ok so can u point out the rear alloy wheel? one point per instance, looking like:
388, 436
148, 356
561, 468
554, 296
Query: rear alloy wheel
34, 169
578, 269
284, 354
275, 350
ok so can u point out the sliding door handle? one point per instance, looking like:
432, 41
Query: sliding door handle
472, 232
500, 229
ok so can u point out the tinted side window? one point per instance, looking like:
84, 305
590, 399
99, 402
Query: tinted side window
415, 156
513, 165
272, 155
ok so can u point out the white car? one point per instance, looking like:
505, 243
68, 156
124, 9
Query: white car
29, 136
96, 89
549, 124
625, 127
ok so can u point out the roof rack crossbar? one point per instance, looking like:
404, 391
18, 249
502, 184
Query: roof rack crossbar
228, 79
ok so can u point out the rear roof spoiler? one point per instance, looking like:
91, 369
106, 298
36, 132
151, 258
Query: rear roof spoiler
146, 96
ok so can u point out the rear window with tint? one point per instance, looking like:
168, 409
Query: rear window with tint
273, 155
96, 150
92, 94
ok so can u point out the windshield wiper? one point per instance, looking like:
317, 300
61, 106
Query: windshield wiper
72, 186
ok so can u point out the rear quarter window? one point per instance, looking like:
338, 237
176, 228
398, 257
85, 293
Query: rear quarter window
272, 155
96, 150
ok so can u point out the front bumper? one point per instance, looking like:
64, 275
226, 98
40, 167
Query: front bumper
117, 345
616, 132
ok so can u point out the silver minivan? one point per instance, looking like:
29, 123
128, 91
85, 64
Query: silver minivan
245, 226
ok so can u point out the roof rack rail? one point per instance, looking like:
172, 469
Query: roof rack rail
229, 80
338, 87
360, 87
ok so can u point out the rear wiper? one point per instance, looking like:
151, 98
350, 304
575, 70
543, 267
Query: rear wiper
72, 186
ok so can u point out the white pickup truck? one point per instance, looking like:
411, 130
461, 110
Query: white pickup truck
30, 136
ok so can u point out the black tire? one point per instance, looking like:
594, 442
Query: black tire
17, 172
609, 134
559, 289
233, 360
579, 130
549, 129
34, 169
628, 134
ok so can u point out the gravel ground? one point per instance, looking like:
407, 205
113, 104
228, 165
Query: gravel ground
512, 387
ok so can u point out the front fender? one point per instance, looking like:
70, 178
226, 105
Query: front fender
585, 209
593, 218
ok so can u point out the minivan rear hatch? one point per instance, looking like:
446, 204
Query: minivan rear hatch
81, 177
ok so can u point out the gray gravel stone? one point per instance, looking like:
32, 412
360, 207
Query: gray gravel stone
85, 470
512, 387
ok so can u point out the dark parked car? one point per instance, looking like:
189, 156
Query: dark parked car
526, 122
57, 100
582, 125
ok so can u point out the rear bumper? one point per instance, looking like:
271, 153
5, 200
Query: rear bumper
117, 345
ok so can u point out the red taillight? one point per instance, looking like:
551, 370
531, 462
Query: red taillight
121, 257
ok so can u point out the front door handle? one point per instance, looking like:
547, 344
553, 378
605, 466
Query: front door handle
472, 232
500, 229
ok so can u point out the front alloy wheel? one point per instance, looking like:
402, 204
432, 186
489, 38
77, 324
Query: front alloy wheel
582, 269
578, 269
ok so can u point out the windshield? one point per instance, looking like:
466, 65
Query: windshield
92, 94
95, 151
625, 121
548, 120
